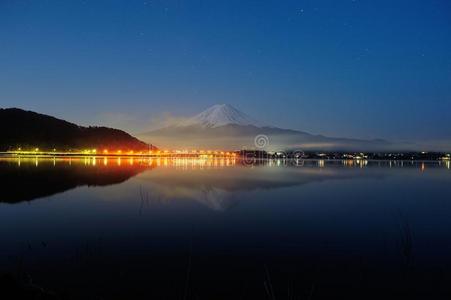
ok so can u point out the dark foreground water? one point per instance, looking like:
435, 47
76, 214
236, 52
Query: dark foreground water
193, 229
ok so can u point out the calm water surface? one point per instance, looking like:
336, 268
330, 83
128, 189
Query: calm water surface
218, 229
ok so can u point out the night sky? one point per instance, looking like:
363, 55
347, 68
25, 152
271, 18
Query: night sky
364, 69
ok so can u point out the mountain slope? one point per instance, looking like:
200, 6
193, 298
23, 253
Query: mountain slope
225, 127
27, 129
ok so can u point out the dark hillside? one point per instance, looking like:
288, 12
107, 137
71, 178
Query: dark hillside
28, 130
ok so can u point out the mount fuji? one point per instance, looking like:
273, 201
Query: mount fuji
221, 115
222, 126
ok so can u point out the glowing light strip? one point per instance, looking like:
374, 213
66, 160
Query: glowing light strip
106, 152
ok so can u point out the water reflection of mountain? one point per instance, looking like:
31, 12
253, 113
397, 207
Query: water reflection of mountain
30, 179
224, 188
219, 184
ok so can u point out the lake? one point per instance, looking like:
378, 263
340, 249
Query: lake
124, 228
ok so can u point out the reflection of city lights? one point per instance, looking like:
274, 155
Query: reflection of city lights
362, 163
205, 162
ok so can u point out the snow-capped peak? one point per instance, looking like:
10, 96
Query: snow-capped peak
220, 115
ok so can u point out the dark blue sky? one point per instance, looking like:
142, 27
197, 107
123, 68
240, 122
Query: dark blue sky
344, 68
